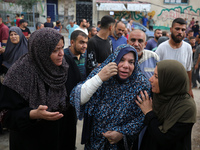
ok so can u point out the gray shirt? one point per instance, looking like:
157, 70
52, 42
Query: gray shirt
182, 54
196, 54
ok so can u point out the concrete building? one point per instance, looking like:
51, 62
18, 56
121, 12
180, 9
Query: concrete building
163, 11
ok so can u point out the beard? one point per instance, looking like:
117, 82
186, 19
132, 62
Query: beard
157, 37
84, 25
176, 40
116, 35
77, 51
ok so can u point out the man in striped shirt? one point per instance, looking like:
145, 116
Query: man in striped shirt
77, 50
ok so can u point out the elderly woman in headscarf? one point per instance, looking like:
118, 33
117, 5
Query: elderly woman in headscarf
16, 47
35, 96
171, 114
107, 101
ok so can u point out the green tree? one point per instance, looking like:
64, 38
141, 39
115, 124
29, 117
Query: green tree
26, 4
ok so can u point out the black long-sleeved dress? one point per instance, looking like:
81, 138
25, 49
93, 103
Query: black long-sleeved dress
27, 134
178, 137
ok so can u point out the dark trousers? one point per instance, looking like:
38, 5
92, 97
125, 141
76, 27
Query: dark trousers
195, 76
151, 28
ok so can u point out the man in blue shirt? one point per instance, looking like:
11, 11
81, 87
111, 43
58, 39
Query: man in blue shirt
58, 26
145, 20
117, 35
152, 43
70, 28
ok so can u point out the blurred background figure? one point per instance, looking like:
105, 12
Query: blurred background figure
151, 23
70, 28
15, 48
126, 33
48, 23
92, 31
39, 25
58, 26
98, 26
25, 30
8, 22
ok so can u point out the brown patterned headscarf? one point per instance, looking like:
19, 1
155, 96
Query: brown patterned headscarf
35, 77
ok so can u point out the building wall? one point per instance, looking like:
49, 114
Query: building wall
162, 13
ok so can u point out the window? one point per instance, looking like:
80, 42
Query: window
176, 1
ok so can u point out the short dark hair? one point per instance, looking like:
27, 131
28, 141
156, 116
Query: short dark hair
98, 22
76, 33
190, 31
57, 22
106, 21
7, 16
22, 21
179, 21
157, 30
22, 14
164, 33
90, 28
17, 15
192, 37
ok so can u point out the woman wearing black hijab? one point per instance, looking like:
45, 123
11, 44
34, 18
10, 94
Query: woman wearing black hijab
34, 96
16, 47
171, 114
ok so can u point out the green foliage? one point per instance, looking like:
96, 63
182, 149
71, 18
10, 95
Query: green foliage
26, 4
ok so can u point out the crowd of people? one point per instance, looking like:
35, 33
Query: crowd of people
132, 92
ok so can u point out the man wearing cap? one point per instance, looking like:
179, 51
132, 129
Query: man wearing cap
48, 23
25, 30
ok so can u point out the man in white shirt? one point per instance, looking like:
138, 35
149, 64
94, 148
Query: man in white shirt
83, 26
177, 49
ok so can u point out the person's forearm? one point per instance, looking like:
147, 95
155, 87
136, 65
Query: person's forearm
89, 88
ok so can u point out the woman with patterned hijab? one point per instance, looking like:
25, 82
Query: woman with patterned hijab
107, 101
171, 114
34, 96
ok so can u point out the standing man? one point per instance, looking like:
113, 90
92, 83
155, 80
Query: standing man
177, 49
151, 23
117, 35
17, 20
98, 26
193, 44
195, 28
189, 34
48, 23
70, 28
146, 59
58, 26
92, 31
77, 50
196, 66
152, 43
83, 26
8, 22
100, 46
144, 20
4, 33
25, 30
129, 26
